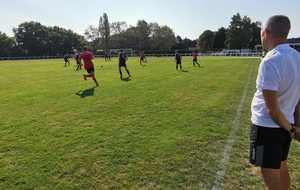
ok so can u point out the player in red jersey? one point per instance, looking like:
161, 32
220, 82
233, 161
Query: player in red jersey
88, 64
195, 58
142, 57
108, 56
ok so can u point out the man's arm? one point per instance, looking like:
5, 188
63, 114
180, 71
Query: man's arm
297, 114
270, 97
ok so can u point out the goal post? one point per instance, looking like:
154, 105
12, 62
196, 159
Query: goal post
129, 51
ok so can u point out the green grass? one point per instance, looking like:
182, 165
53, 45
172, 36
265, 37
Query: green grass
160, 129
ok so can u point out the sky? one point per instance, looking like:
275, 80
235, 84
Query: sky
188, 19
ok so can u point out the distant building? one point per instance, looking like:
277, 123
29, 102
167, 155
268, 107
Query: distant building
294, 43
192, 48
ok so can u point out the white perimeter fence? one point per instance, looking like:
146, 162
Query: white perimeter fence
147, 55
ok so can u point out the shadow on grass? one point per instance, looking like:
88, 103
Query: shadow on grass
127, 79
85, 93
184, 71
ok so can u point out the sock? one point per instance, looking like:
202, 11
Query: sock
95, 80
128, 72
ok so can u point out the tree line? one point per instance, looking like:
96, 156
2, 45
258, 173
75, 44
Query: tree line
34, 39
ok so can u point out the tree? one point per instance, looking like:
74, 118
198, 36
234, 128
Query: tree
184, 43
62, 41
189, 43
30, 36
219, 38
142, 32
205, 40
91, 34
6, 45
104, 29
239, 33
117, 30
144, 36
118, 27
129, 39
163, 38
256, 27
55, 42
73, 41
179, 43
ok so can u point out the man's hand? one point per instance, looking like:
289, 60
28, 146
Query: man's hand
297, 134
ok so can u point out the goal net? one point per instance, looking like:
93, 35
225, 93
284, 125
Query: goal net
129, 51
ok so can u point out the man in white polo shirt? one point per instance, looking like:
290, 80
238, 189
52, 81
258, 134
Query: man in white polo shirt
275, 105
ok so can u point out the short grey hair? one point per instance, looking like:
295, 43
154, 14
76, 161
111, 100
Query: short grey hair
278, 26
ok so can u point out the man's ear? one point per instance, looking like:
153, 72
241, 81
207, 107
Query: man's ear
266, 34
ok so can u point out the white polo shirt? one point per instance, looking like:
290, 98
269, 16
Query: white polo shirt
279, 71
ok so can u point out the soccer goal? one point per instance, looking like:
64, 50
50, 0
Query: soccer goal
129, 51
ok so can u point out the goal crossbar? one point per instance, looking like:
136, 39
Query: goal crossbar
128, 51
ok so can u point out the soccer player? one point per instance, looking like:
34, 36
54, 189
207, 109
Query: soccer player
78, 62
122, 63
276, 104
195, 58
263, 54
105, 57
142, 57
177, 59
88, 64
108, 56
66, 59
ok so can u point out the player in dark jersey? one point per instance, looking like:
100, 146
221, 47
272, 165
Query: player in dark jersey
66, 59
177, 59
122, 63
78, 62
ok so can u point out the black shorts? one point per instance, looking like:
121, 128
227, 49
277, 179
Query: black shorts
268, 146
90, 70
122, 64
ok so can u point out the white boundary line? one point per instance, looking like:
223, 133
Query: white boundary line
226, 154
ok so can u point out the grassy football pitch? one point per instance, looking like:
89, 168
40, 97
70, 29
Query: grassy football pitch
159, 129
